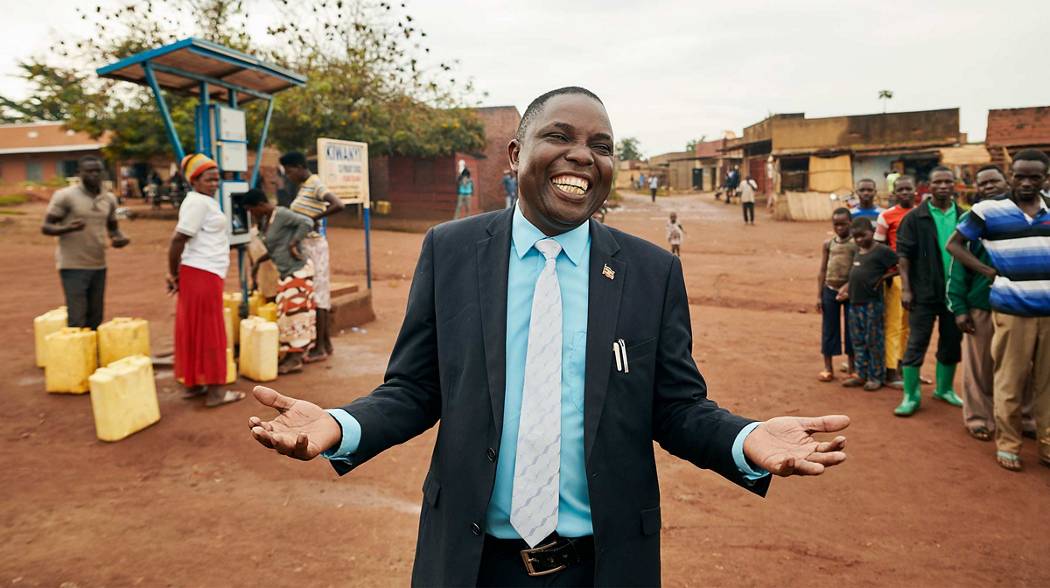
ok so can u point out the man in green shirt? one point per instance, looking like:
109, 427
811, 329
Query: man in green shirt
924, 266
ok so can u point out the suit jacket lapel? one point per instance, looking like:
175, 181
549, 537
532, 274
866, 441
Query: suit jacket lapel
603, 310
492, 259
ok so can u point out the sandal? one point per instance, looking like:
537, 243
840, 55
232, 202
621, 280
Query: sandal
825, 376
872, 385
1008, 461
314, 357
980, 433
285, 368
194, 392
227, 397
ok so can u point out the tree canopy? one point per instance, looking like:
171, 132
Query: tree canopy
370, 77
629, 148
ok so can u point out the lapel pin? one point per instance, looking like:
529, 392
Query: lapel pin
608, 272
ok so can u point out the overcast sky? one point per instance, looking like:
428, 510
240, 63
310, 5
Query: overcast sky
673, 70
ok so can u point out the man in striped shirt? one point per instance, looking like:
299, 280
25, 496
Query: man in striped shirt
1015, 233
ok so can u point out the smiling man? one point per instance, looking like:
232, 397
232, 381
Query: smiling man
554, 350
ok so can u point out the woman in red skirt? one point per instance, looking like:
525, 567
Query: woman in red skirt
198, 259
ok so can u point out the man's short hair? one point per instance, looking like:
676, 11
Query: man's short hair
842, 210
537, 105
1033, 155
862, 180
293, 159
990, 167
906, 177
941, 168
253, 197
87, 158
861, 223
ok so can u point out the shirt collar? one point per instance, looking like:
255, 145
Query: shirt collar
525, 235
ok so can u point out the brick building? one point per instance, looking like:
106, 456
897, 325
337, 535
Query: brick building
501, 122
416, 187
42, 151
425, 188
1013, 129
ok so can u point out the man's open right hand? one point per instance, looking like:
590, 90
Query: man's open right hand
302, 429
76, 225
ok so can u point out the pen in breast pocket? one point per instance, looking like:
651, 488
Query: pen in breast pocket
623, 349
616, 354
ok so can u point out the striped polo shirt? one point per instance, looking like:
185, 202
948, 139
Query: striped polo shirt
1019, 248
310, 200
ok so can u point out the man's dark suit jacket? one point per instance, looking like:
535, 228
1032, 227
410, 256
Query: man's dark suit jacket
448, 365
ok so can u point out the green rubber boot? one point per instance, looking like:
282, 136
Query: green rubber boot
943, 390
912, 395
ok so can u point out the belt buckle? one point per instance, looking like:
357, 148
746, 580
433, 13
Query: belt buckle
529, 561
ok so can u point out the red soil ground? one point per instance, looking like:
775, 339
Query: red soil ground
193, 501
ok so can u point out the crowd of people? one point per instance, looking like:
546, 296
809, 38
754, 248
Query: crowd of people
979, 272
83, 217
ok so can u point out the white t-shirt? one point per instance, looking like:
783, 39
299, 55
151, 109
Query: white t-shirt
204, 222
747, 191
654, 183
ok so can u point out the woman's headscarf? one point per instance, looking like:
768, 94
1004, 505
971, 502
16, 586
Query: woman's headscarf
194, 164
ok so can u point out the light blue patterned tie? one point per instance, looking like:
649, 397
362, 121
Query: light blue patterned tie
534, 503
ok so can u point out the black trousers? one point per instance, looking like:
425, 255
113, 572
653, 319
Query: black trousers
652, 193
85, 290
749, 212
920, 323
501, 565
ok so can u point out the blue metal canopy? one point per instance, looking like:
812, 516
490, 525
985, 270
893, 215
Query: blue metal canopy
181, 66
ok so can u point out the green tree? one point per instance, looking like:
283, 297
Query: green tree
629, 148
363, 60
367, 81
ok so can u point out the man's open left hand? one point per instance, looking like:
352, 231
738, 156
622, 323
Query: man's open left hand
785, 445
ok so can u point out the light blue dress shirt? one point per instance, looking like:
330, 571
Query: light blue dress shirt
526, 262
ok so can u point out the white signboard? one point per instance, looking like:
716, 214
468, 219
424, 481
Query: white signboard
230, 124
343, 167
233, 157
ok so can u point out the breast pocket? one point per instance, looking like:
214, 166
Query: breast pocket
573, 384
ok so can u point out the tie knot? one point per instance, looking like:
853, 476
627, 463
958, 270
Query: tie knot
549, 248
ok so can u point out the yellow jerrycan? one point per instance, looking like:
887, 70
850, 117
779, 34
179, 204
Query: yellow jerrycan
255, 300
259, 349
124, 398
122, 337
231, 367
232, 301
72, 357
44, 325
227, 317
268, 311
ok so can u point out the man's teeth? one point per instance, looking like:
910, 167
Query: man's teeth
571, 184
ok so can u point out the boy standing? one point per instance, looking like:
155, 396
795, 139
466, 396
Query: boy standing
747, 199
675, 232
896, 317
866, 192
872, 264
836, 260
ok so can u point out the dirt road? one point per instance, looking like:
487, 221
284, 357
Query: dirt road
193, 501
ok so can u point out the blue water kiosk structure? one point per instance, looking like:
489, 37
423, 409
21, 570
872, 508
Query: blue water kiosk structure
222, 79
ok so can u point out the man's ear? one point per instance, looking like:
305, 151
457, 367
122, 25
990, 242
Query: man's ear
513, 151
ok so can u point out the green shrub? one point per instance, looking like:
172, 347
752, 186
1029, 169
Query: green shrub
13, 199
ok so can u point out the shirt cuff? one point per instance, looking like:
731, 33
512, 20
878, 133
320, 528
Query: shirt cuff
351, 435
750, 474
